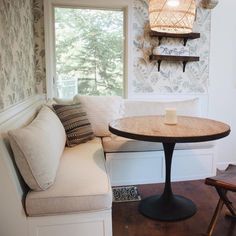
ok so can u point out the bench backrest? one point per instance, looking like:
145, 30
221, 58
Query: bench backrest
13, 189
187, 107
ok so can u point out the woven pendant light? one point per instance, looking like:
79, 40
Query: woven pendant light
172, 16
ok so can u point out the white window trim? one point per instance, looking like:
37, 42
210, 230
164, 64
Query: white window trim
126, 5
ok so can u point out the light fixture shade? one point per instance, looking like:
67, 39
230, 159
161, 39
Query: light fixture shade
172, 16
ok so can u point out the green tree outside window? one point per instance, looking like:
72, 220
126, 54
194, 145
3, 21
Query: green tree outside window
90, 49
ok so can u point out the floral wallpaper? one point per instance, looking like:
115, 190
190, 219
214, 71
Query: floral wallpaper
16, 52
171, 78
40, 70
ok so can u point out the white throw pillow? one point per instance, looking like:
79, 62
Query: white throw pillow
101, 110
61, 101
64, 101
188, 107
37, 149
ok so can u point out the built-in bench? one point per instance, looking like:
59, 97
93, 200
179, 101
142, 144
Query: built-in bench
79, 200
77, 203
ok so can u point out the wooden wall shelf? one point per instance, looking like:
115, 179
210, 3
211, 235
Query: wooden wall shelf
184, 59
185, 37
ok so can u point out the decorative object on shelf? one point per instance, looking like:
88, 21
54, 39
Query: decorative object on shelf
184, 59
172, 16
208, 4
172, 53
185, 37
170, 116
170, 50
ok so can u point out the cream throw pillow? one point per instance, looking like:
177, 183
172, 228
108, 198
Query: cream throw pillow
37, 149
188, 107
101, 110
63, 101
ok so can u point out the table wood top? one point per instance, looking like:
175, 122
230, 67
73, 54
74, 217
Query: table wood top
153, 128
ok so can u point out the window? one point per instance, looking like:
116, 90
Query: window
63, 84
89, 51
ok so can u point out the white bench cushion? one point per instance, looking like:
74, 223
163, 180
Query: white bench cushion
81, 184
120, 144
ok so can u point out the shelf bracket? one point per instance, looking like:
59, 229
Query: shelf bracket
185, 41
184, 65
159, 64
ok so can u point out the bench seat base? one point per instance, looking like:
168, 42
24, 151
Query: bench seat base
129, 168
93, 223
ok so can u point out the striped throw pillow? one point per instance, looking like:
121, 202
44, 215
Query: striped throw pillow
77, 126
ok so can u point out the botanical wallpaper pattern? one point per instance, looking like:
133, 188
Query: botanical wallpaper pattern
17, 80
40, 70
171, 78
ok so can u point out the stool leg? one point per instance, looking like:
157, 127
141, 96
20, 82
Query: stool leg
227, 202
215, 217
231, 208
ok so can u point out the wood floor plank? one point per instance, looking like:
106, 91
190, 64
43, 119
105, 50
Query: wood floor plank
127, 221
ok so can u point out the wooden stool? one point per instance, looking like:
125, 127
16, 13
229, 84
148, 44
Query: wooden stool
226, 181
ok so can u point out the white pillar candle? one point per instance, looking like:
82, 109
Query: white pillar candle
170, 116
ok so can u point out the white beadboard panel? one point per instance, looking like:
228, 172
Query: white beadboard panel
17, 108
193, 164
88, 223
87, 228
149, 167
135, 168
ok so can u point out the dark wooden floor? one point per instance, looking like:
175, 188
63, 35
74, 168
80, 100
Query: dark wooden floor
127, 221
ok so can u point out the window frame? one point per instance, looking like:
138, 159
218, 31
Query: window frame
50, 58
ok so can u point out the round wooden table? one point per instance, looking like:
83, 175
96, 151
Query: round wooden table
167, 206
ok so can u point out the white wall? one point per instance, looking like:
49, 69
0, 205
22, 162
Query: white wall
222, 87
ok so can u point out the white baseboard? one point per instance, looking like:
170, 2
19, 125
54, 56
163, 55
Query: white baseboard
223, 165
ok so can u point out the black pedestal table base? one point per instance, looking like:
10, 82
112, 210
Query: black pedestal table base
173, 209
168, 207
